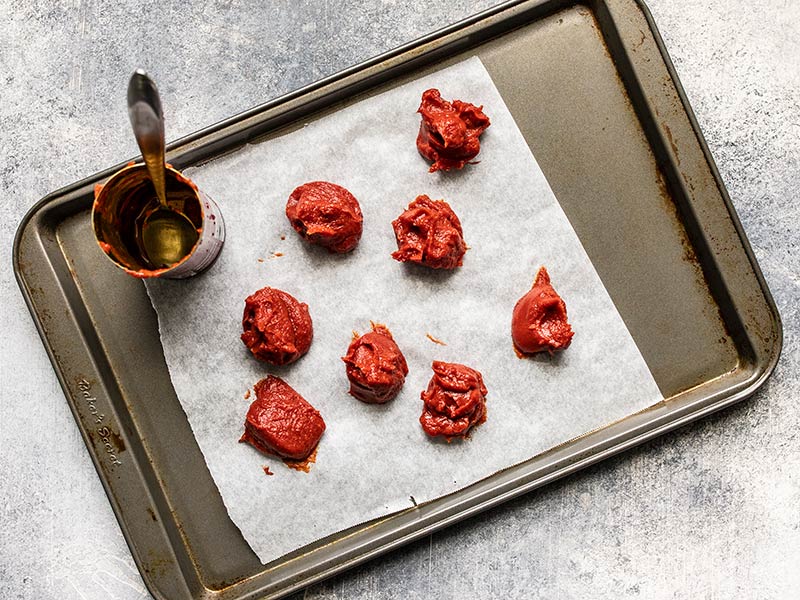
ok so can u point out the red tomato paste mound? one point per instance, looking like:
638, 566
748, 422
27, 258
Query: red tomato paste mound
449, 132
429, 233
281, 422
276, 327
326, 214
455, 400
539, 321
375, 366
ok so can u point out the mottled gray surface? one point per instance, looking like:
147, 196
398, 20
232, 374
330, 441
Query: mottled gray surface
712, 511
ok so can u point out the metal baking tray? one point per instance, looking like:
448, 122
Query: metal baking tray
597, 99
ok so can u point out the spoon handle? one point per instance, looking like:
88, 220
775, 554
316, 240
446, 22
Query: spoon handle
147, 120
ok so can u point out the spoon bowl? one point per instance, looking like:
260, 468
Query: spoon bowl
165, 237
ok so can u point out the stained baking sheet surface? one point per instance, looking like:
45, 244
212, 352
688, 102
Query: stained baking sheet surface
374, 460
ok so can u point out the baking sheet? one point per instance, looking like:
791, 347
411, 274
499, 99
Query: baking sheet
374, 460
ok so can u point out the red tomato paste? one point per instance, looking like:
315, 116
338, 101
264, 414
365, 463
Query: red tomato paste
455, 400
281, 422
449, 132
429, 233
539, 321
276, 327
326, 214
375, 366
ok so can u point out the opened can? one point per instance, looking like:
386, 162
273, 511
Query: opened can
122, 212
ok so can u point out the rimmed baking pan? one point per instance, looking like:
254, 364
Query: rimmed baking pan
593, 92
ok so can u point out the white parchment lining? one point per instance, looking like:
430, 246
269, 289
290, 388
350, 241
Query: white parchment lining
372, 459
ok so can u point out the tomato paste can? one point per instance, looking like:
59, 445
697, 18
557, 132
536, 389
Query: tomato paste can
120, 212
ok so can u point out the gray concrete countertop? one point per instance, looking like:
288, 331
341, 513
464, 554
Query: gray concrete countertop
710, 511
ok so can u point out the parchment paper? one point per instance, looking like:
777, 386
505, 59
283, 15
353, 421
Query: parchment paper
373, 459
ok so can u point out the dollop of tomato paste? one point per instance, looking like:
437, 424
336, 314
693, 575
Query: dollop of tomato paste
455, 400
539, 321
376, 368
281, 422
276, 327
449, 132
429, 233
326, 214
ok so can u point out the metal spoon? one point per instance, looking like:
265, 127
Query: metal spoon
167, 235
